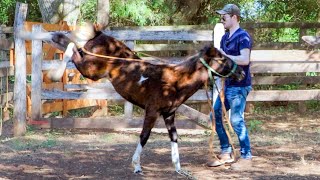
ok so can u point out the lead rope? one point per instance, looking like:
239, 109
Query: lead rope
226, 119
113, 57
221, 95
213, 125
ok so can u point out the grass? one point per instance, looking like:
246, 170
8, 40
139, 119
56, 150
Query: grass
33, 140
25, 143
115, 109
81, 112
254, 125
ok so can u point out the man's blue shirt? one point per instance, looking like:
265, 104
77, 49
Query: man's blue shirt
232, 46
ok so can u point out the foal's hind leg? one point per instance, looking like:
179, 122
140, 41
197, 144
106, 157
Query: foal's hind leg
169, 121
149, 121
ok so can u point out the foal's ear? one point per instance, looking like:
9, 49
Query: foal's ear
98, 27
211, 51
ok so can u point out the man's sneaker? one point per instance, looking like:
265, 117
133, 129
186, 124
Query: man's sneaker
242, 164
222, 159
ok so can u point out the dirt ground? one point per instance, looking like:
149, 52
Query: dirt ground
284, 145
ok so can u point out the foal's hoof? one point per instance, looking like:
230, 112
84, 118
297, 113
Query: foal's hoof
138, 172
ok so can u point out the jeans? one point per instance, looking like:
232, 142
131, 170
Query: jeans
235, 100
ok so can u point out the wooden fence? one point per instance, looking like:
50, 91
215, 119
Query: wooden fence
270, 66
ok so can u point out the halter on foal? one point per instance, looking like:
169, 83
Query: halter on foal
158, 88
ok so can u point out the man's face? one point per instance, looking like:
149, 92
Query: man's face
226, 20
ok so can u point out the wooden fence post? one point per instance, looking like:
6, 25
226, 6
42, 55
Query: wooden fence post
36, 75
128, 107
20, 97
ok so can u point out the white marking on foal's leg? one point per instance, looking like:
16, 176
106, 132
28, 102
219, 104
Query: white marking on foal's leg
136, 159
175, 156
56, 73
142, 78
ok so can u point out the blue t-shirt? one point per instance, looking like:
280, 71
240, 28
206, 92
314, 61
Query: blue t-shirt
232, 46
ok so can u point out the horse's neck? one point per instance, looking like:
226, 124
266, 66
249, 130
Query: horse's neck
193, 72
119, 48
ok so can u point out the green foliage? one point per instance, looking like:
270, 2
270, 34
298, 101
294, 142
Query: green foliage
54, 114
266, 109
138, 12
254, 125
88, 11
115, 109
31, 130
6, 9
284, 11
311, 74
81, 112
34, 13
313, 105
32, 144
51, 142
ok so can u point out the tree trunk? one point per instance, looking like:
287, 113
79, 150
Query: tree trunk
188, 11
53, 11
103, 13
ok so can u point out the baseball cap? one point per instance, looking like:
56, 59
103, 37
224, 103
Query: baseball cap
229, 9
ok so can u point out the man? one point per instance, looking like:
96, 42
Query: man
236, 44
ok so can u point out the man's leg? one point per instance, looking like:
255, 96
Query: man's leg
237, 100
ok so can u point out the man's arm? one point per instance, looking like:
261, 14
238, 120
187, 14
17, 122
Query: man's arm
242, 59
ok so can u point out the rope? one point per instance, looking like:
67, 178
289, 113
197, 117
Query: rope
113, 57
227, 119
213, 124
7, 105
211, 151
155, 57
222, 97
110, 57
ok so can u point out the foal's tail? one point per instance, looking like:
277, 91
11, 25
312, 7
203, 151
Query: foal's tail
45, 36
59, 39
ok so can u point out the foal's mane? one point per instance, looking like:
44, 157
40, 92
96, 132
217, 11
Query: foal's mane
190, 64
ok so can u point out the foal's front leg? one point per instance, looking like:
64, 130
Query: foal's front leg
149, 121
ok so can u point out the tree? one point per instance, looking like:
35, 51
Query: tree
54, 11
103, 7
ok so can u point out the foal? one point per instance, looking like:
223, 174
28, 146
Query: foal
158, 88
